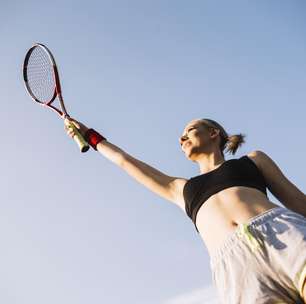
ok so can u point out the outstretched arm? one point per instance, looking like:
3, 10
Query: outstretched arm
168, 187
279, 185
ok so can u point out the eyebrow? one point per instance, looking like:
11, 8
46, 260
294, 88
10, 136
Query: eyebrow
192, 126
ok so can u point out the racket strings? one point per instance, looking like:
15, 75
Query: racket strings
40, 75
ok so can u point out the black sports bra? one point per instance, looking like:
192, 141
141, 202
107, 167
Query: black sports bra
233, 172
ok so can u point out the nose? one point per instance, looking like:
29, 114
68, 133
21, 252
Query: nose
183, 138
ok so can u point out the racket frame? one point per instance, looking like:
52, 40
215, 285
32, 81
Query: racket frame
57, 89
57, 93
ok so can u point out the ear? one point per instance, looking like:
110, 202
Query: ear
214, 132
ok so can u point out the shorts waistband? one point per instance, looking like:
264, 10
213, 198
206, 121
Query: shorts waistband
234, 238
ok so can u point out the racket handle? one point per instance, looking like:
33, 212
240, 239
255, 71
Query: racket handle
78, 138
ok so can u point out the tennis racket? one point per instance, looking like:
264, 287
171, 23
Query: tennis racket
42, 82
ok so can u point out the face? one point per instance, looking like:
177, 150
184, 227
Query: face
197, 138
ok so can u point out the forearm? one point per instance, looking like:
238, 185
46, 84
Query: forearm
166, 186
136, 168
111, 152
146, 175
141, 171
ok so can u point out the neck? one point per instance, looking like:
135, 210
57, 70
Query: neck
209, 162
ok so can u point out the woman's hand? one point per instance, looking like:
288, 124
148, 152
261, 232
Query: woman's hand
79, 126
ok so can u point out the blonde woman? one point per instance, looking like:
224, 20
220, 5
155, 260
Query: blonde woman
257, 249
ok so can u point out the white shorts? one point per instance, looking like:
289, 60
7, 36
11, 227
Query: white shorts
263, 261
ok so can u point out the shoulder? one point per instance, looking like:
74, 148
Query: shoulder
260, 158
266, 165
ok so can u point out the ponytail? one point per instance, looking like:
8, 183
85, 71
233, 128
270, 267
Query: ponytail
233, 142
230, 143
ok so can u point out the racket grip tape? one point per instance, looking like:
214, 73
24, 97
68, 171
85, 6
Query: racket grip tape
78, 138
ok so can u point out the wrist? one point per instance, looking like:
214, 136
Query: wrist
93, 138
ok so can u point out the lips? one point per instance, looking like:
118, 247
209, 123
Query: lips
186, 144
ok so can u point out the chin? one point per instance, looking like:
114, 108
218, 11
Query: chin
190, 153
190, 156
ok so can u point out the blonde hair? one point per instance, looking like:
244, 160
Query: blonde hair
230, 143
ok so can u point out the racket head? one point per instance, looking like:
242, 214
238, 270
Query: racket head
41, 80
40, 74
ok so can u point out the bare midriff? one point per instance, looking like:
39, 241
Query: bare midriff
220, 215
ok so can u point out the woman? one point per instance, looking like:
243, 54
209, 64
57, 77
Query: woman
257, 249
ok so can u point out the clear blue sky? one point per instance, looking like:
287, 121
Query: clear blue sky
75, 228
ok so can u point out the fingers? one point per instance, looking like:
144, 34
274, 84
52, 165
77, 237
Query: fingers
70, 132
69, 121
71, 126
